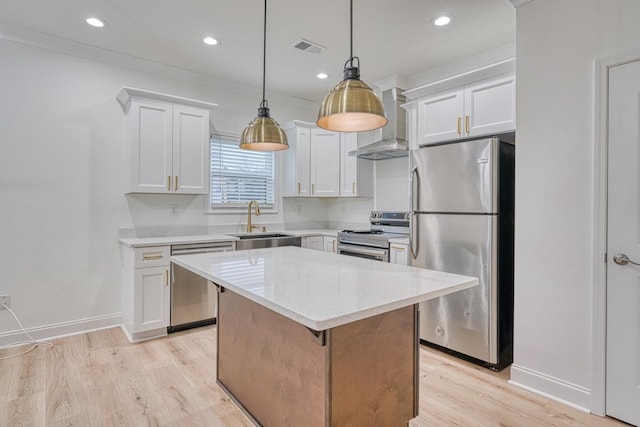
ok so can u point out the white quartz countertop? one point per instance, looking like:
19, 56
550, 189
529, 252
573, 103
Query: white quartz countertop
135, 242
321, 290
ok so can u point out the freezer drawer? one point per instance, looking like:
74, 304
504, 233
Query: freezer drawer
458, 177
465, 321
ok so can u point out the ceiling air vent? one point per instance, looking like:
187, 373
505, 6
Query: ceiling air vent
309, 47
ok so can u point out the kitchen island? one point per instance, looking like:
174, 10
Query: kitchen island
319, 339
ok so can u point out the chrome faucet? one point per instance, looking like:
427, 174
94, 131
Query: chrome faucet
250, 226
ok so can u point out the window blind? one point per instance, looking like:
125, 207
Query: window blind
239, 176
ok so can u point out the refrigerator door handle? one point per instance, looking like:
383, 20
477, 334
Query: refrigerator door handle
414, 192
413, 238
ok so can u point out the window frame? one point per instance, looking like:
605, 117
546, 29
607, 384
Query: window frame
277, 162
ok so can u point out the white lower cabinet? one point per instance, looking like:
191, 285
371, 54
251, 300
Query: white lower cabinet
146, 291
398, 254
151, 298
330, 244
321, 243
312, 242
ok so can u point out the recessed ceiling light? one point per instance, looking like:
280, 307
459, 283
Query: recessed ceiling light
211, 41
441, 21
322, 75
95, 22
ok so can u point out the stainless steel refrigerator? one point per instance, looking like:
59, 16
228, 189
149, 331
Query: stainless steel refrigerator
462, 203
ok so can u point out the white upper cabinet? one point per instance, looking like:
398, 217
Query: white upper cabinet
440, 116
167, 143
317, 163
325, 163
312, 162
297, 157
356, 175
490, 106
484, 107
190, 150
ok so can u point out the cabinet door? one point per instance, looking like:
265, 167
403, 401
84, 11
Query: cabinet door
303, 162
151, 298
490, 106
325, 163
312, 242
440, 117
330, 244
348, 165
398, 254
150, 150
190, 150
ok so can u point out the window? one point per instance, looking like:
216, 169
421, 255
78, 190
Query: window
239, 176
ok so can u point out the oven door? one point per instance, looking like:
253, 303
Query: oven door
379, 254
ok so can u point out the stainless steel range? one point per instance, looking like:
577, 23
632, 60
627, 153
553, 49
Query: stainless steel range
374, 242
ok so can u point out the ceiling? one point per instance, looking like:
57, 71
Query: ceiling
390, 37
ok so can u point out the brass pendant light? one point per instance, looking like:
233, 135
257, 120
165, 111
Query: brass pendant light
263, 133
351, 106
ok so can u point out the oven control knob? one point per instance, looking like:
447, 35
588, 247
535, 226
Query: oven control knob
439, 331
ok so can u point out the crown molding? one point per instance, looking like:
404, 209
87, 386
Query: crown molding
518, 3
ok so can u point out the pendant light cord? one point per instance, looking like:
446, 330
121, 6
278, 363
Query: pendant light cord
351, 57
351, 32
264, 56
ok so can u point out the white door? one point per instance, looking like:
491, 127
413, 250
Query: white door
190, 150
623, 229
151, 295
440, 117
325, 163
150, 125
348, 165
490, 106
303, 165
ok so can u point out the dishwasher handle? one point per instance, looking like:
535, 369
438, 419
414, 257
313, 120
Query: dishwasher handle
202, 251
201, 248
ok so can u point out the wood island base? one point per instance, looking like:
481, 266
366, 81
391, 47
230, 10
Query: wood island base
281, 373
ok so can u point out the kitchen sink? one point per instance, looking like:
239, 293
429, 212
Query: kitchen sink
265, 240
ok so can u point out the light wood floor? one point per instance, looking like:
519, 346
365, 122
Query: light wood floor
99, 379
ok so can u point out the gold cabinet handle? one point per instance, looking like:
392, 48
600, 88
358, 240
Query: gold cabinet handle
459, 125
176, 186
169, 183
150, 257
312, 189
298, 188
466, 124
334, 246
353, 187
398, 248
166, 278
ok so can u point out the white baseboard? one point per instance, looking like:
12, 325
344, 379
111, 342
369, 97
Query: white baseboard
573, 395
58, 330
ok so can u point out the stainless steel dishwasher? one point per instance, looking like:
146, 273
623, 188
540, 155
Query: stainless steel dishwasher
194, 299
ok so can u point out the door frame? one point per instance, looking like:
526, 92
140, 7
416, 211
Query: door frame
599, 251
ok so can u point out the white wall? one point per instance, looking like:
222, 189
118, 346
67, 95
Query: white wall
557, 46
392, 184
61, 173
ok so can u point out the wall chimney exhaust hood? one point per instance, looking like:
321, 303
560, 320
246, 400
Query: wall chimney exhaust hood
393, 143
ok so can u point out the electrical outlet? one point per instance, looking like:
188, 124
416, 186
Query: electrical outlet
298, 209
175, 210
5, 300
